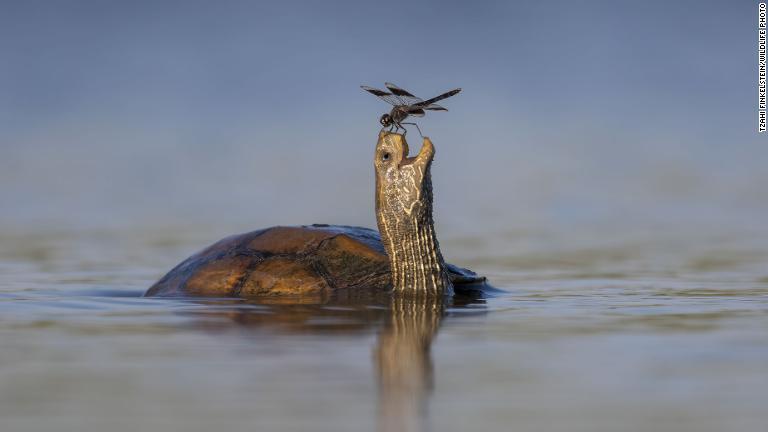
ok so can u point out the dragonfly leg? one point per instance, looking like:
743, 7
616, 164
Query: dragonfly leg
417, 128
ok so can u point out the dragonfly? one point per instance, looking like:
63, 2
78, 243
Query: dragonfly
405, 104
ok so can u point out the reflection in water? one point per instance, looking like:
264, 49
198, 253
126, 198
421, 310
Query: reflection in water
402, 355
404, 363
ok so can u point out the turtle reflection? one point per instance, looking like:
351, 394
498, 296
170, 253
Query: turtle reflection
404, 363
402, 354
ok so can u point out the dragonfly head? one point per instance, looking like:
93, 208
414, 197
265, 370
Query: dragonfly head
386, 120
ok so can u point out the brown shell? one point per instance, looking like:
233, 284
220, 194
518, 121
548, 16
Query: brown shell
311, 262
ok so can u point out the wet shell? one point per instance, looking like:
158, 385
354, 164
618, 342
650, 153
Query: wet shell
312, 262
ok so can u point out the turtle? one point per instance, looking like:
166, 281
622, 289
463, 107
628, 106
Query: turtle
322, 261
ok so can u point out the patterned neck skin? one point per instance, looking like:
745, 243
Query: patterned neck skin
404, 216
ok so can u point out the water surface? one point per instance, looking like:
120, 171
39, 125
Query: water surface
662, 331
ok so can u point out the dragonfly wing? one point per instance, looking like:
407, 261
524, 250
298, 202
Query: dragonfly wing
404, 95
416, 112
434, 107
397, 90
385, 96
438, 98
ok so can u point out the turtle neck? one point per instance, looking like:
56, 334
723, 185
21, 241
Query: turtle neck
404, 217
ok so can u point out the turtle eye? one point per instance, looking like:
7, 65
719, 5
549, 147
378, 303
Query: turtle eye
385, 156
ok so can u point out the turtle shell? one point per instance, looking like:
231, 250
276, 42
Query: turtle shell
311, 262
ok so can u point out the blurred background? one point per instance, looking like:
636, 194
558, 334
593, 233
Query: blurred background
237, 114
602, 166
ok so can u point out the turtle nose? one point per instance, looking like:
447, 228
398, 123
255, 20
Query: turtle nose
397, 141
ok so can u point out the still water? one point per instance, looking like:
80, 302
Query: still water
655, 331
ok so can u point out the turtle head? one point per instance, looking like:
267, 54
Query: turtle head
404, 216
400, 179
